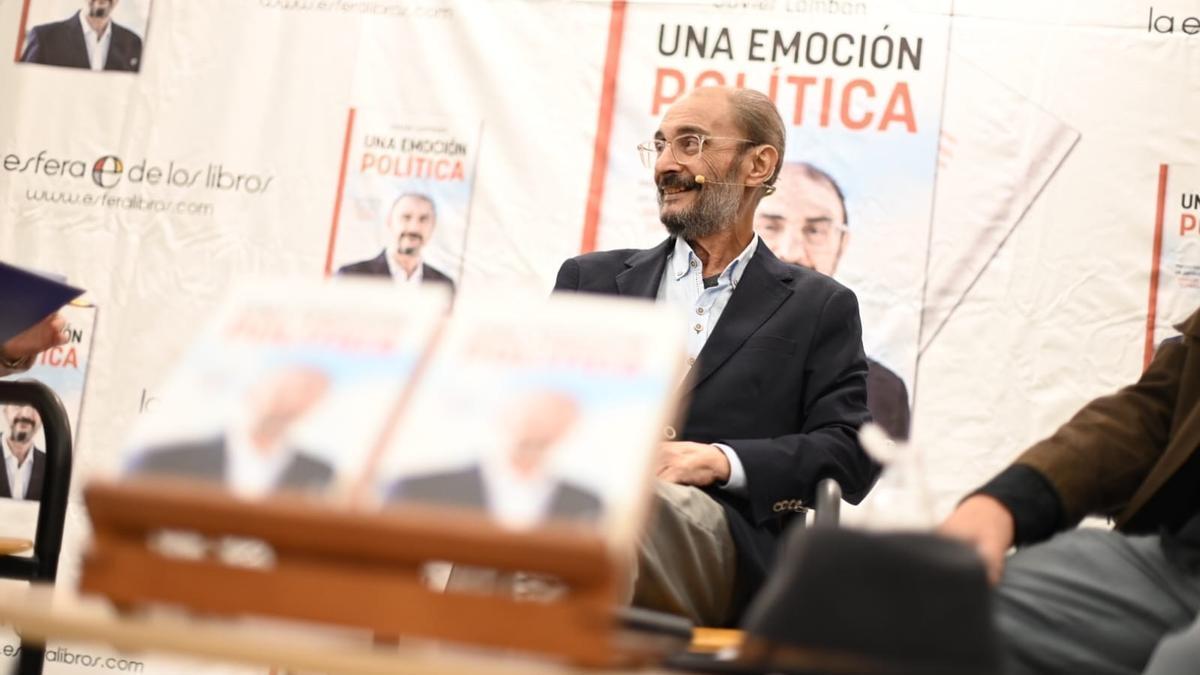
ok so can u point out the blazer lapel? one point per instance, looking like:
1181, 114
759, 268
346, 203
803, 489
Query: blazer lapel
644, 270
379, 264
4, 491
37, 476
761, 291
78, 44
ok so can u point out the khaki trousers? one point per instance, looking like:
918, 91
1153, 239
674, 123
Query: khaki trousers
686, 562
686, 559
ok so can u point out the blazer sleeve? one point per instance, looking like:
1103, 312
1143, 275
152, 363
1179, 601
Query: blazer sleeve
1097, 459
834, 403
33, 48
568, 276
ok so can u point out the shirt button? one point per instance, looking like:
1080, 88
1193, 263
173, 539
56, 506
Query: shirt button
691, 361
695, 264
698, 328
699, 310
669, 433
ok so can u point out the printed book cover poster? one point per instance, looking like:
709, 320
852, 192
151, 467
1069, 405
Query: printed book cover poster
289, 388
539, 410
52, 33
860, 96
1175, 270
64, 369
404, 198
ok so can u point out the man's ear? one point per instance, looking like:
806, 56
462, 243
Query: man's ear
762, 164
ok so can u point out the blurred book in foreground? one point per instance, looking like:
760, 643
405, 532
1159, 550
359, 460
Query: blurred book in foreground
520, 410
27, 297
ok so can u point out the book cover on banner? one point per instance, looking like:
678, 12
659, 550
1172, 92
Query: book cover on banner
534, 410
404, 198
64, 370
1175, 269
45, 30
860, 96
289, 388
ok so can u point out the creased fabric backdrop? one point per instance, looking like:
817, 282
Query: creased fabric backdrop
1004, 207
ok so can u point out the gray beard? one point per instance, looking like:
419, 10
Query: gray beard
714, 210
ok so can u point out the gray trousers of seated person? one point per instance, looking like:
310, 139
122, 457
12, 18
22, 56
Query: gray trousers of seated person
1177, 653
1091, 601
686, 559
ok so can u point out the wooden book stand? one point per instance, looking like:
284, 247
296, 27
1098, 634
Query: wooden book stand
353, 569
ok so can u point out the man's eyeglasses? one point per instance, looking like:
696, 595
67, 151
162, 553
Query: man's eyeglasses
822, 233
684, 148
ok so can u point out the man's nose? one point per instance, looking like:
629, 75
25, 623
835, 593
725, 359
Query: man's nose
666, 162
791, 249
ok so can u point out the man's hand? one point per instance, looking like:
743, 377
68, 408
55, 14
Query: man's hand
689, 463
34, 340
986, 525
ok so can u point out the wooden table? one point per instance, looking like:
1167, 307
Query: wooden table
12, 546
38, 613
713, 640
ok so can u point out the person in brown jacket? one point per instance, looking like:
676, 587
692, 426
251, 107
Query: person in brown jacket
1093, 600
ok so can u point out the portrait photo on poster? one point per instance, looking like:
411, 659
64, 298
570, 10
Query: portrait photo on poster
403, 203
64, 369
99, 35
852, 195
23, 449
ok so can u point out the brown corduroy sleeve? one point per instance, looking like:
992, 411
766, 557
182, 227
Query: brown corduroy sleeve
1097, 459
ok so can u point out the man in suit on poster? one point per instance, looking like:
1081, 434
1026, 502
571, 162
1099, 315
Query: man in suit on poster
410, 224
90, 40
515, 485
778, 383
805, 223
254, 456
24, 466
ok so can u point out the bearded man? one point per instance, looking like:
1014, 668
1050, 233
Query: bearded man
87, 39
24, 468
777, 386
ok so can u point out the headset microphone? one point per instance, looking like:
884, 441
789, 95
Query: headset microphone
700, 180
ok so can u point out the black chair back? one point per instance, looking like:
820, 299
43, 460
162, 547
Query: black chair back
42, 566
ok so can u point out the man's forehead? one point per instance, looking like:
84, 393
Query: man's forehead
412, 202
704, 111
799, 191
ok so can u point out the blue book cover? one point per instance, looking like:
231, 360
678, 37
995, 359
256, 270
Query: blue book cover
28, 297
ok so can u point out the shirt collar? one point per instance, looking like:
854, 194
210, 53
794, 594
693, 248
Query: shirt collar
683, 255
87, 28
249, 471
398, 272
10, 456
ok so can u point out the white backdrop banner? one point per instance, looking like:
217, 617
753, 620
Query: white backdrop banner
1015, 182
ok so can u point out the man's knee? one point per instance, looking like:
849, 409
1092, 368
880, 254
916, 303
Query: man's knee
686, 559
690, 506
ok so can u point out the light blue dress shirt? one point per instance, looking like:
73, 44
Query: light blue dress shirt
682, 286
